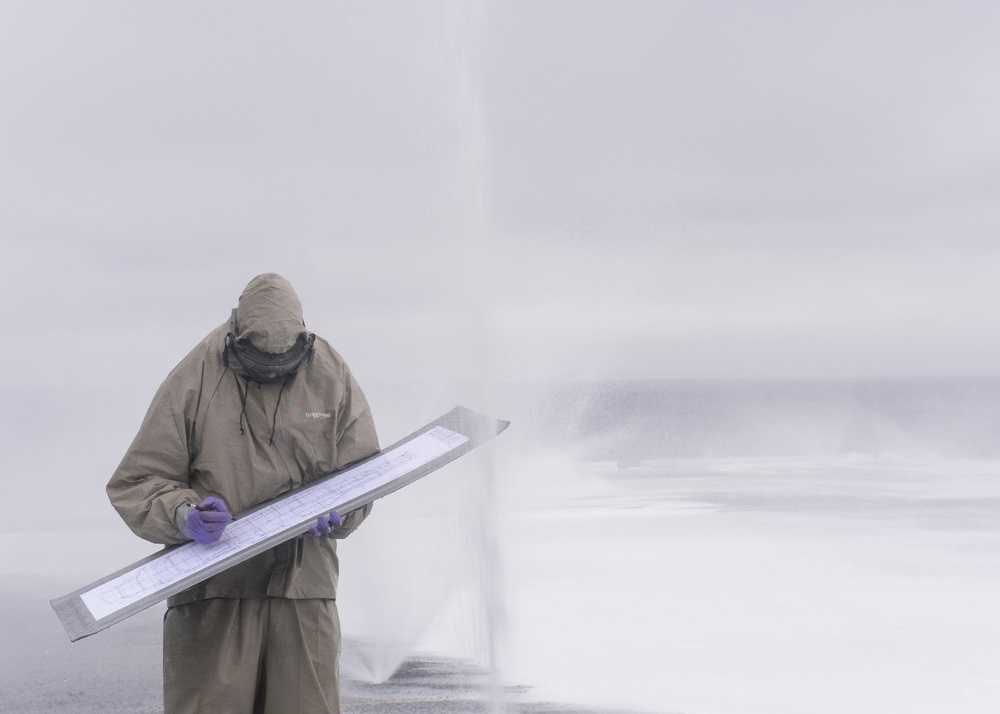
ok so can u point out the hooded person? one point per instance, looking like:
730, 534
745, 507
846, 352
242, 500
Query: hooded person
260, 407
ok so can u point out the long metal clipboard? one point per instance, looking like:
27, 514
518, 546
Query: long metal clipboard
120, 595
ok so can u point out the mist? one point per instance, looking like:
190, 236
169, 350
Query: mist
706, 260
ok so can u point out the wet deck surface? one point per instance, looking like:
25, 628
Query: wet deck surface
424, 685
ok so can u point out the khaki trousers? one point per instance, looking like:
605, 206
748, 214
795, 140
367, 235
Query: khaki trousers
253, 656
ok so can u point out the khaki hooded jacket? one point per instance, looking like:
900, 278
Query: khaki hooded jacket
211, 431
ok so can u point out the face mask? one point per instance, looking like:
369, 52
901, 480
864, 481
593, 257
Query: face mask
259, 365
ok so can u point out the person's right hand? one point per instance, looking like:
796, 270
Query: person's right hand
208, 519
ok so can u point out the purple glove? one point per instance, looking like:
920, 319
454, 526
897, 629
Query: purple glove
325, 525
208, 519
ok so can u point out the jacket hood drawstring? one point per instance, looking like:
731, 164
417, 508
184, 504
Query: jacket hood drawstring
274, 417
243, 410
246, 393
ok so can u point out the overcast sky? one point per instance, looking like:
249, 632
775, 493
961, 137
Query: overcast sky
572, 188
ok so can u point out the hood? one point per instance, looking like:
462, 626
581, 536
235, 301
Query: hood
269, 314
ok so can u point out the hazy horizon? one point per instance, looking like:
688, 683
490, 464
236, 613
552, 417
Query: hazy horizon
587, 189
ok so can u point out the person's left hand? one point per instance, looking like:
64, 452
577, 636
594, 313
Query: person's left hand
326, 524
